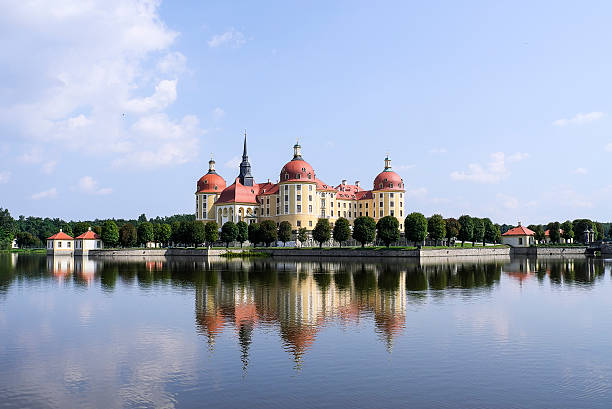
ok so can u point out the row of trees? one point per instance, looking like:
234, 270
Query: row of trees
417, 228
568, 230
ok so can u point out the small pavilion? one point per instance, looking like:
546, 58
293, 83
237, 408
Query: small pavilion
89, 240
60, 243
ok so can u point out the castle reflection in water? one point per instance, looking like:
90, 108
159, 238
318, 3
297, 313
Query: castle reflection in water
299, 298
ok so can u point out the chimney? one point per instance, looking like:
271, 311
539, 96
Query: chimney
89, 228
344, 181
519, 224
61, 230
357, 183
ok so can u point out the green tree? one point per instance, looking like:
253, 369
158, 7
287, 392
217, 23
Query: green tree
97, 229
490, 233
128, 235
26, 239
66, 228
255, 233
176, 232
229, 233
243, 232
321, 232
145, 233
415, 227
568, 230
452, 228
342, 230
164, 233
80, 228
553, 232
387, 230
466, 232
580, 226
142, 218
284, 231
187, 232
498, 234
302, 234
478, 231
211, 233
364, 230
540, 234
110, 233
436, 226
600, 232
7, 229
268, 232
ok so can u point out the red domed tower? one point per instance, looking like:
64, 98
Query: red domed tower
209, 187
297, 169
388, 194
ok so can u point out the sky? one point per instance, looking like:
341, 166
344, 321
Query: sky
112, 108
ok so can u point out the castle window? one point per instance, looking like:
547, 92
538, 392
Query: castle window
345, 213
385, 180
360, 214
299, 223
298, 187
310, 188
392, 213
286, 198
400, 213
401, 195
380, 186
344, 205
299, 208
367, 205
309, 208
309, 176
255, 212
267, 200
401, 204
277, 200
310, 223
277, 210
286, 188
366, 214
299, 198
381, 213
392, 204
286, 176
303, 169
298, 176
391, 194
349, 214
310, 198
360, 205
381, 204
268, 212
390, 184
286, 209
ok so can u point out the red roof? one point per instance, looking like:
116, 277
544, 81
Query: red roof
211, 182
324, 186
387, 179
547, 232
364, 194
519, 231
60, 236
297, 169
238, 193
268, 189
88, 235
349, 188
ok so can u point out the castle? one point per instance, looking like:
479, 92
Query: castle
299, 197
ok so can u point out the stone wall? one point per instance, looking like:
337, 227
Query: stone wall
549, 251
457, 252
156, 252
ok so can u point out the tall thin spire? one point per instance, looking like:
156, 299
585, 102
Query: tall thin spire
245, 177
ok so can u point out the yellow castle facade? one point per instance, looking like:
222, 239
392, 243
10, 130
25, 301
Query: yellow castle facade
298, 196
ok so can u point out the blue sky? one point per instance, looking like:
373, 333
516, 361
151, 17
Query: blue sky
112, 108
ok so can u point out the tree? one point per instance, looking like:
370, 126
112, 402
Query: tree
568, 230
187, 232
466, 232
478, 231
553, 232
142, 218
97, 229
110, 233
243, 232
284, 231
452, 228
364, 230
255, 233
26, 239
229, 233
498, 234
211, 233
490, 233
321, 232
342, 230
80, 228
176, 233
302, 235
436, 226
387, 230
268, 232
66, 228
163, 233
580, 226
145, 233
540, 234
7, 229
128, 235
600, 232
415, 227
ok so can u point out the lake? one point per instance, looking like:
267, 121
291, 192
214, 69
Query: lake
259, 333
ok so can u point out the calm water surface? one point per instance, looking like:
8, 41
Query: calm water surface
494, 333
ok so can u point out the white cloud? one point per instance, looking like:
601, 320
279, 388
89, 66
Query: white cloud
49, 167
404, 167
34, 155
218, 113
88, 185
417, 193
438, 150
580, 171
495, 171
45, 194
72, 91
509, 202
5, 176
568, 197
608, 147
172, 63
165, 94
579, 119
230, 37
233, 163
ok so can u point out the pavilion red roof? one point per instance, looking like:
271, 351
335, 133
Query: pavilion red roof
60, 236
88, 235
519, 231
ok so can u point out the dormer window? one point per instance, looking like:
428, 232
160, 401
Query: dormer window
297, 176
380, 186
303, 169
391, 185
309, 176
215, 187
286, 176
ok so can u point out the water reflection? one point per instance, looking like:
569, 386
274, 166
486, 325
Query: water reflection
297, 299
